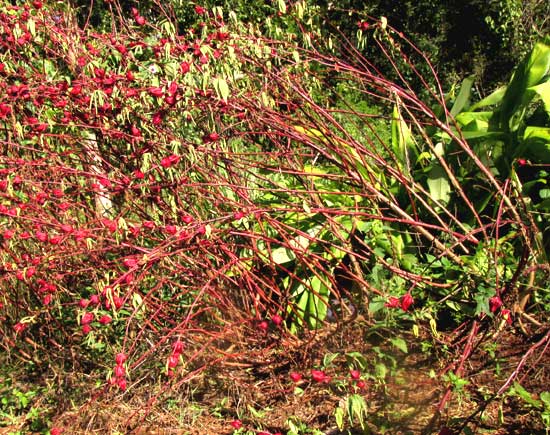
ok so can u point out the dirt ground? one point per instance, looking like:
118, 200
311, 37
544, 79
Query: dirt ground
402, 394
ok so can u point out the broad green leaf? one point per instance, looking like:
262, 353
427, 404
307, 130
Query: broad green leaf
438, 184
543, 91
529, 73
317, 303
463, 98
535, 144
282, 255
466, 118
491, 99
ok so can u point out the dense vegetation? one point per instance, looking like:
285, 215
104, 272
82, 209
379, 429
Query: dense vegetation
187, 188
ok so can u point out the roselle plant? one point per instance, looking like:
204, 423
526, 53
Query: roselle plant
161, 185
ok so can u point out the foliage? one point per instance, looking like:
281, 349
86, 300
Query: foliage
513, 137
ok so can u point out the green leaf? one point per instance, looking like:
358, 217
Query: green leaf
282, 255
490, 100
525, 395
339, 417
222, 89
282, 6
401, 137
380, 371
543, 91
438, 184
400, 344
463, 97
529, 73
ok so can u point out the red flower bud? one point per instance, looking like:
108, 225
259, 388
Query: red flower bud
296, 377
120, 358
495, 303
406, 301
393, 302
276, 319
506, 315
119, 371
122, 384
320, 376
105, 319
263, 326
236, 424
87, 318
178, 346
173, 361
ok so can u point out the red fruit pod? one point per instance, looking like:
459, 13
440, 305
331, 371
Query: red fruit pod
361, 384
156, 92
495, 303
55, 240
56, 431
263, 326
86, 329
130, 262
94, 299
185, 67
30, 272
19, 327
157, 118
122, 384
118, 301
87, 318
105, 319
178, 346
140, 21
506, 315
66, 228
406, 301
236, 424
134, 131
392, 302
173, 361
119, 371
320, 376
277, 320
171, 229
355, 374
41, 236
83, 303
296, 377
120, 358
